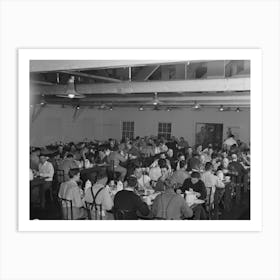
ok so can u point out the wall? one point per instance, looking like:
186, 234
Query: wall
56, 123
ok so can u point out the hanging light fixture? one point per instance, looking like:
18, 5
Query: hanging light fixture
221, 109
71, 91
237, 110
196, 106
141, 108
155, 101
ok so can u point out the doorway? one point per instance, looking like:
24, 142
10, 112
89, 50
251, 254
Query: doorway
209, 133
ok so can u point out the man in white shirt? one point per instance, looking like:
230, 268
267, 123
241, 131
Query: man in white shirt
211, 182
46, 171
142, 179
230, 141
99, 195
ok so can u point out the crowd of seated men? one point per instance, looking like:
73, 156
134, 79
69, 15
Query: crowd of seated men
149, 163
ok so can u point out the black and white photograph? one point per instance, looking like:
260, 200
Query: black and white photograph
139, 139
130, 140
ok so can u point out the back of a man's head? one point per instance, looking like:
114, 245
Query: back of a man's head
162, 162
132, 182
73, 172
195, 174
208, 166
101, 176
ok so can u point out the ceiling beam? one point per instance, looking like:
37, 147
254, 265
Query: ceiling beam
238, 103
206, 85
59, 65
145, 73
42, 83
164, 100
90, 76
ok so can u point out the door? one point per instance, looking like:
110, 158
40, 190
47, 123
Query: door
209, 133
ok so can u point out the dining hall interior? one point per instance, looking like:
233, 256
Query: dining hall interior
140, 140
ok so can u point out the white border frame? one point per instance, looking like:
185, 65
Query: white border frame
25, 55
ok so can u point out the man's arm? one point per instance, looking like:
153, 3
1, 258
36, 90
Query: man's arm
203, 190
185, 186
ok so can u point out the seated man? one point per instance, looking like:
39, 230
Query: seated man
127, 203
194, 183
180, 175
70, 190
194, 163
170, 206
101, 196
165, 174
116, 157
212, 182
142, 179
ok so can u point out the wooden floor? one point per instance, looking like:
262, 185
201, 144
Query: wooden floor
239, 211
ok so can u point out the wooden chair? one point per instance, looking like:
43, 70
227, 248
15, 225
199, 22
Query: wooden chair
121, 214
60, 176
111, 173
66, 208
93, 209
209, 206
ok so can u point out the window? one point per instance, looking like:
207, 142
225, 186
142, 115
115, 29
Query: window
164, 130
127, 130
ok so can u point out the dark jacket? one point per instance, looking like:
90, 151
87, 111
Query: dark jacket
198, 187
131, 203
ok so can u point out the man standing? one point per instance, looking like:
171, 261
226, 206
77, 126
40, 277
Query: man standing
236, 170
229, 142
115, 157
46, 171
213, 184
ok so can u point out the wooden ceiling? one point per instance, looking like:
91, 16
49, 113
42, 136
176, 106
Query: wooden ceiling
134, 83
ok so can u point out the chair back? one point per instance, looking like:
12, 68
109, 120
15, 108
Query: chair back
122, 214
209, 202
94, 208
60, 176
66, 208
111, 171
94, 211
